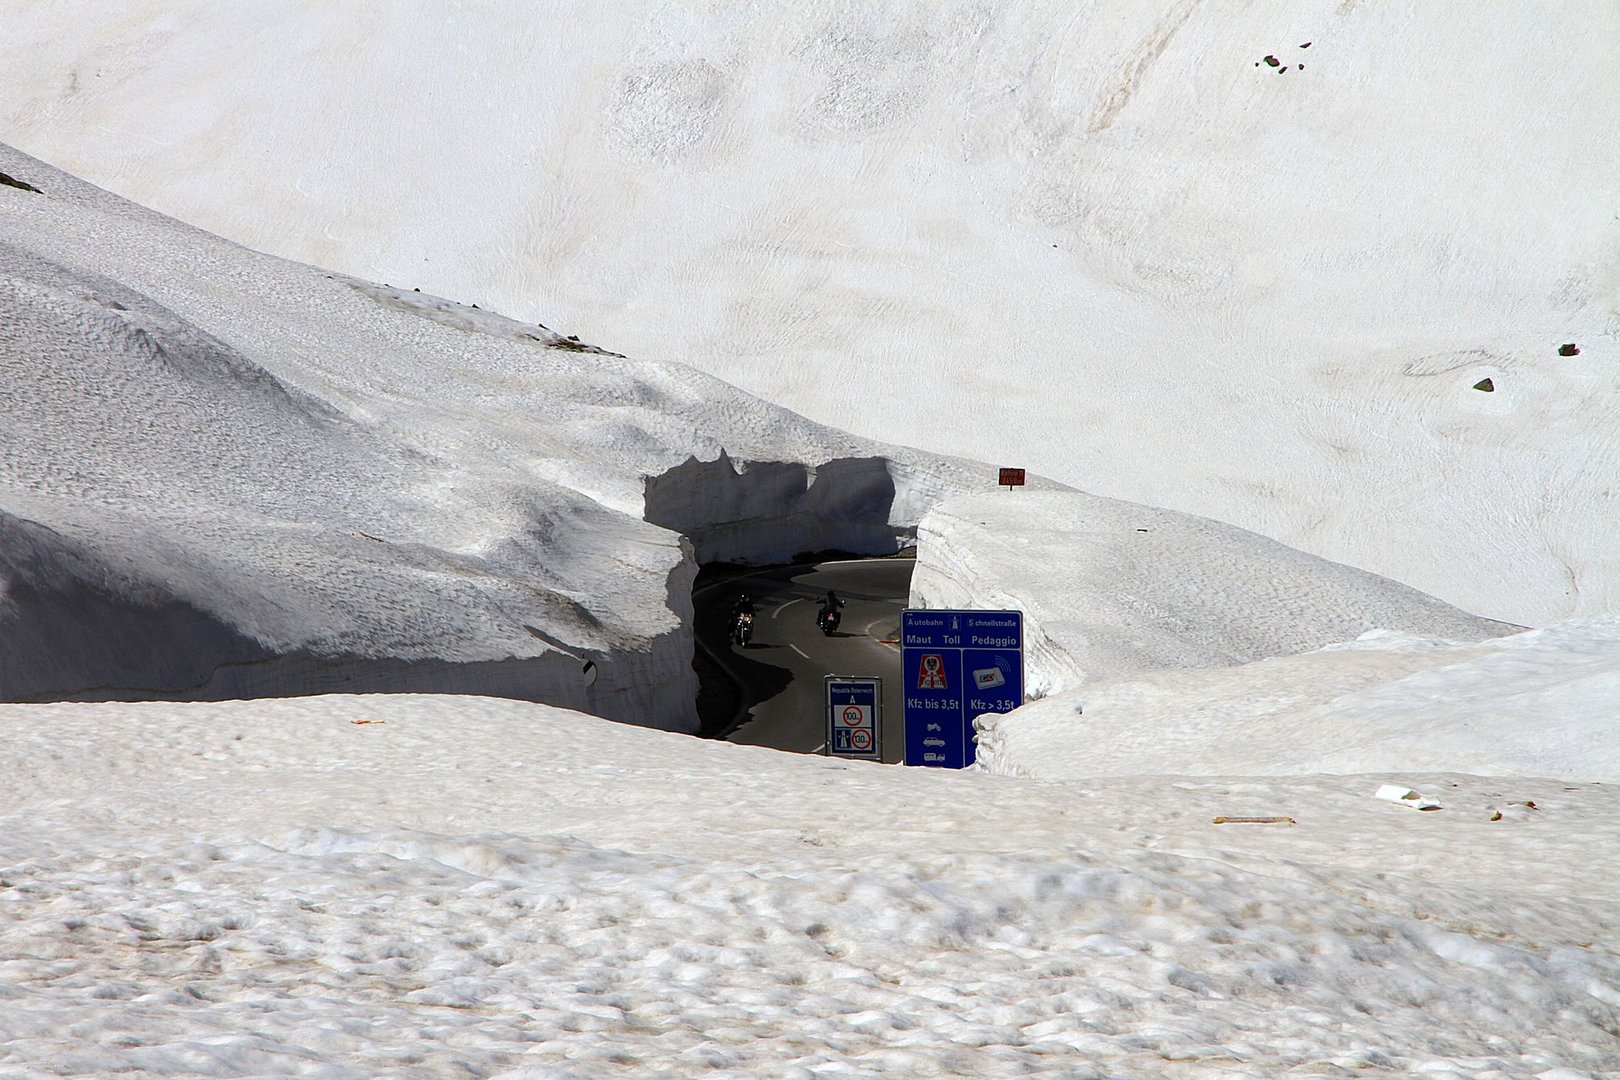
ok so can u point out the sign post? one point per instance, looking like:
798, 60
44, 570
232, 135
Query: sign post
854, 704
955, 666
1011, 478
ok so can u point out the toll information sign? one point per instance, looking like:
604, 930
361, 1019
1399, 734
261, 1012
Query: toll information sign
852, 716
957, 665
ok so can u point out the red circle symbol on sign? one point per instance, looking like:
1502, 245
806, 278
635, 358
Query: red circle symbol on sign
860, 740
854, 716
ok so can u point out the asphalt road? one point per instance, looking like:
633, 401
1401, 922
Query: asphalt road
781, 669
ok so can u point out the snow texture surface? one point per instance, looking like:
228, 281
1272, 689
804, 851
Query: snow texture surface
1305, 266
1110, 243
433, 886
223, 474
1109, 588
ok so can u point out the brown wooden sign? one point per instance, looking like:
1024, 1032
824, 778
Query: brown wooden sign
1011, 478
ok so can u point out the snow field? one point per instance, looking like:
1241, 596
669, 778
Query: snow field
253, 476
509, 889
1105, 242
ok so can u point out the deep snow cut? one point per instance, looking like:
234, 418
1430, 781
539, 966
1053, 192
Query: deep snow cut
228, 475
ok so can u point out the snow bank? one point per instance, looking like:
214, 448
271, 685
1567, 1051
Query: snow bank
1110, 588
1111, 243
1541, 703
366, 885
222, 474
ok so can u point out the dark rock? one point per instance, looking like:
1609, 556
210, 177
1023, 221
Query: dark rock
1485, 385
12, 181
1272, 61
1569, 348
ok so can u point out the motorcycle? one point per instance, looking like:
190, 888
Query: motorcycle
828, 619
743, 630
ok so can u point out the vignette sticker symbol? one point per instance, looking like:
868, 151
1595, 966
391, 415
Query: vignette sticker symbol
931, 672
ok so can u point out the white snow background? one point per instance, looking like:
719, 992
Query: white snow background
232, 475
1106, 241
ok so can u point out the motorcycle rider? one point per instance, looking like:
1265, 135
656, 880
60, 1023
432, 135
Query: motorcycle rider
828, 606
739, 612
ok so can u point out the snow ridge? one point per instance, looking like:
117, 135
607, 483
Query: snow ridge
225, 475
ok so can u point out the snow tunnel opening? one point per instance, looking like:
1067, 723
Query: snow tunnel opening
741, 516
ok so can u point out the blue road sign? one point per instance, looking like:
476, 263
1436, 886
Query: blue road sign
853, 716
956, 665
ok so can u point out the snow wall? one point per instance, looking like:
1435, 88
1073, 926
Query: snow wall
225, 475
82, 620
1110, 588
772, 512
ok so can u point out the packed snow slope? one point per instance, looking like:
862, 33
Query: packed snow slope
223, 474
1110, 588
1541, 703
1305, 266
1162, 643
416, 886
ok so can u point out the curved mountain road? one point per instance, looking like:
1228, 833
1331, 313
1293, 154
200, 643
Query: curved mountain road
780, 671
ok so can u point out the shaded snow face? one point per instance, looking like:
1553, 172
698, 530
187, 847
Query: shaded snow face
225, 474
1169, 255
761, 512
178, 521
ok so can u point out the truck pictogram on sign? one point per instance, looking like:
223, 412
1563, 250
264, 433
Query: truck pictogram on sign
957, 665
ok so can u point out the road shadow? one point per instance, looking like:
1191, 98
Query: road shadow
721, 704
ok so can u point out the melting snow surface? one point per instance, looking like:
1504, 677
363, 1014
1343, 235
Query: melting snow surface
428, 886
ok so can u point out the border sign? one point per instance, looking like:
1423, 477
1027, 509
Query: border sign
854, 706
1011, 478
956, 666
